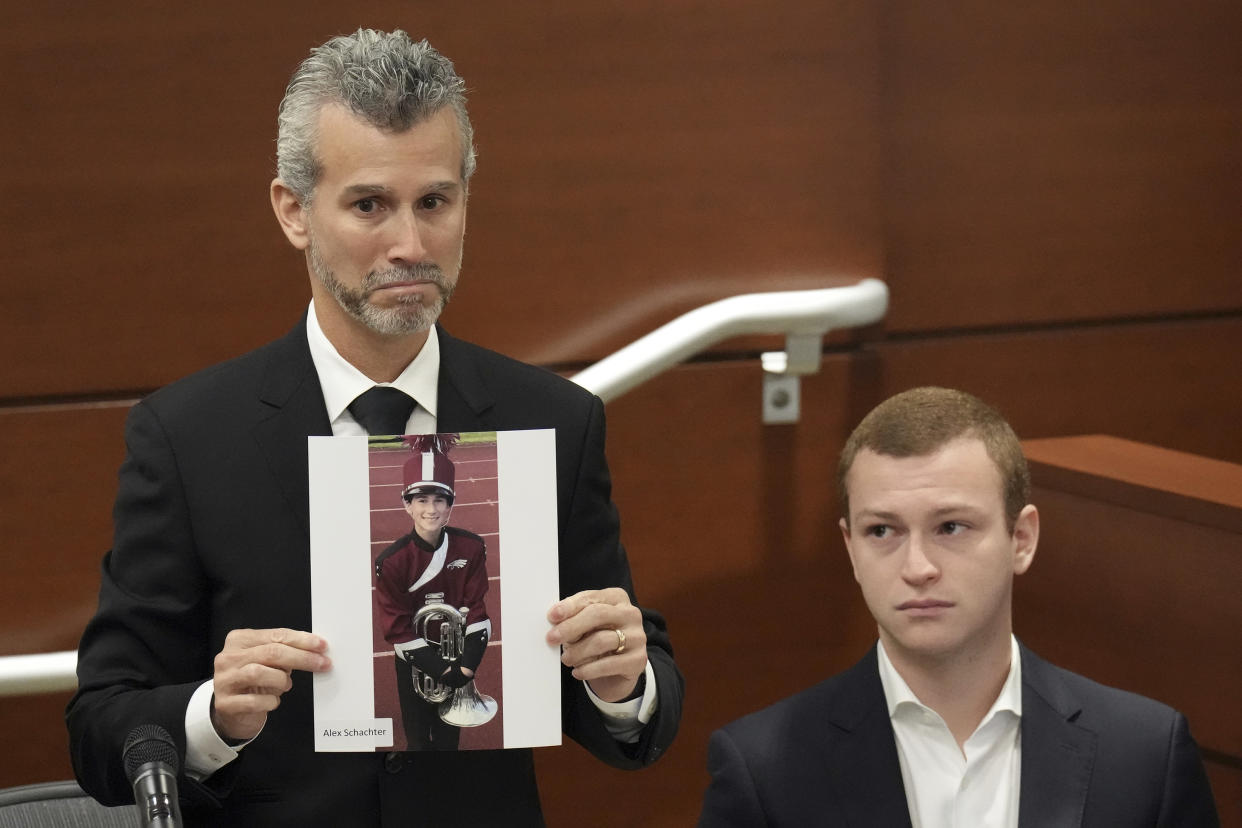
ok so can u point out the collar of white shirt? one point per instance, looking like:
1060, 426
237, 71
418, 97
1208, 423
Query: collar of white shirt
342, 382
897, 692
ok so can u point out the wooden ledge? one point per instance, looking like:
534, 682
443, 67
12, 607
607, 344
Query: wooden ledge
1140, 476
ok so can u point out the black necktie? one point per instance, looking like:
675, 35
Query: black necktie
382, 410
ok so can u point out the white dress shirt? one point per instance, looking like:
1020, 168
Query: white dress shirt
944, 788
341, 383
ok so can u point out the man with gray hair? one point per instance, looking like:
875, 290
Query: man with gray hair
948, 721
204, 611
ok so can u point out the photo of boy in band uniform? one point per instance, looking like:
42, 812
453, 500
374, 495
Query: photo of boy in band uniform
433, 564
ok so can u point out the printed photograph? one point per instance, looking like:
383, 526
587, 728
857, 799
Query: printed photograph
436, 546
433, 565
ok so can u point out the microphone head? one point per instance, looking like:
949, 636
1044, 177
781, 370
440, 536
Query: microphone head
148, 743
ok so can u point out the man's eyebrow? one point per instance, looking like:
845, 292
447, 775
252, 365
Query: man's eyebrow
949, 509
442, 186
367, 189
957, 508
381, 189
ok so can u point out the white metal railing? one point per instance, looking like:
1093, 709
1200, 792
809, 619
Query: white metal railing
803, 316
27, 675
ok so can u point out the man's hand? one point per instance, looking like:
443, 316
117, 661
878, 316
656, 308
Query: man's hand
586, 627
254, 670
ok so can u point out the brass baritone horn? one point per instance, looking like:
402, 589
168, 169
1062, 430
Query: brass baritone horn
465, 706
450, 642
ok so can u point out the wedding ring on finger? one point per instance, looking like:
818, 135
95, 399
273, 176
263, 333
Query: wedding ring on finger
620, 643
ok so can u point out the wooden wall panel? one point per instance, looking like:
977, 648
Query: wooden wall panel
57, 482
1165, 383
1060, 161
135, 204
1227, 788
1145, 582
692, 150
34, 729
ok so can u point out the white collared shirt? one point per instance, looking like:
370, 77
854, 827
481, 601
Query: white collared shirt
944, 788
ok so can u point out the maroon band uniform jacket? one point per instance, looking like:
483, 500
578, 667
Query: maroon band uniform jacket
410, 573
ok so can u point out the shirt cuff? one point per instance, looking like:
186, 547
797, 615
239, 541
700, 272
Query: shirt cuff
205, 751
625, 719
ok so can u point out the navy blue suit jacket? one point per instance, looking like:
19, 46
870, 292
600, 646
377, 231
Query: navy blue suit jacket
211, 534
1092, 757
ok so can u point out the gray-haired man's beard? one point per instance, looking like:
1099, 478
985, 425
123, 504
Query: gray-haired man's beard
408, 316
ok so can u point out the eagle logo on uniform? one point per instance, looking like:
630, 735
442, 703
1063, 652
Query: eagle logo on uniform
457, 564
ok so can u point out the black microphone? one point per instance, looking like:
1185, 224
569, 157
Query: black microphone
151, 765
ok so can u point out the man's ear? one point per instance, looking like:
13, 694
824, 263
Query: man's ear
845, 535
291, 215
1025, 538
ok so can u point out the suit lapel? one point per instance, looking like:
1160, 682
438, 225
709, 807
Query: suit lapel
1057, 754
292, 409
861, 754
464, 403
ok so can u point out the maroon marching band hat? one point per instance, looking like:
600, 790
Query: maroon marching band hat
428, 472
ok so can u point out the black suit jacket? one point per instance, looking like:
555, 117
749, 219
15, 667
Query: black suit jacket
1092, 757
211, 534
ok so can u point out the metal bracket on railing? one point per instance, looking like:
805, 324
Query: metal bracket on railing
782, 377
